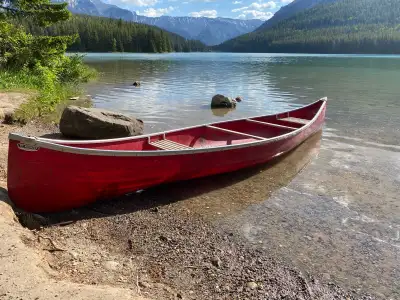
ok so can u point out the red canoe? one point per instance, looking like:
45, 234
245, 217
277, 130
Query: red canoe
52, 175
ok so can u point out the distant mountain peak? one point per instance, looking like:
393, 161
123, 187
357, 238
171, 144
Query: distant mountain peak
223, 29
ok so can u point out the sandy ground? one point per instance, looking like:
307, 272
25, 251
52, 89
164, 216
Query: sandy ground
140, 245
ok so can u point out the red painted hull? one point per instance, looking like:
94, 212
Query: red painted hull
45, 177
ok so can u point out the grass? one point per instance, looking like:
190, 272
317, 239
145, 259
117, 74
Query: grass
44, 91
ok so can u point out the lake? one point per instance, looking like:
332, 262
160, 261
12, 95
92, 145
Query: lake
330, 207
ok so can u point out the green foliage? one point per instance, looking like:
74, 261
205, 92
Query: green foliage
97, 34
38, 62
41, 12
343, 26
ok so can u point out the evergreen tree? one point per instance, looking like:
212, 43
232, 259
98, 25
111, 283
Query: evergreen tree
21, 50
342, 26
114, 45
96, 34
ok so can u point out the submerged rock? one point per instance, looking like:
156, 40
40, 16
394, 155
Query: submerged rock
93, 123
222, 101
136, 83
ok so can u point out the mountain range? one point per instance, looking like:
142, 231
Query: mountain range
210, 31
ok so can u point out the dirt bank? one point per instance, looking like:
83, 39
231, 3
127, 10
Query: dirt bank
25, 271
140, 245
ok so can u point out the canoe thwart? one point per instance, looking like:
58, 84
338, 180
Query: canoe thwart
296, 120
272, 124
236, 132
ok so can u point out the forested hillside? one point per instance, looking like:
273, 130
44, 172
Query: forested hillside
99, 34
344, 26
290, 10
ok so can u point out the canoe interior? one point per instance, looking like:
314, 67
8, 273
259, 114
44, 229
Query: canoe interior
214, 135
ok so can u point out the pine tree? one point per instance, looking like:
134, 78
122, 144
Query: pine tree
114, 45
18, 49
96, 34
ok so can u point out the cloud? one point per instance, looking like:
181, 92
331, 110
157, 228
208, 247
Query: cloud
237, 2
204, 13
240, 9
286, 1
257, 6
255, 14
151, 12
135, 2
269, 5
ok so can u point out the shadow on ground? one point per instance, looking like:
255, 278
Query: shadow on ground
259, 181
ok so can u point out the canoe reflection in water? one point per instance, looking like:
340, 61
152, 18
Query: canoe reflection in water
221, 112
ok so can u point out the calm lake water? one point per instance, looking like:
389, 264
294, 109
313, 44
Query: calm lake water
330, 207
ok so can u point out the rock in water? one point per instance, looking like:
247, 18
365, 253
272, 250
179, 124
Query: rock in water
93, 123
136, 83
222, 101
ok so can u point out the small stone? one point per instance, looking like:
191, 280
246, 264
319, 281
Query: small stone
252, 285
179, 296
216, 261
74, 254
239, 99
130, 244
164, 238
111, 265
308, 237
144, 284
136, 83
155, 209
326, 276
74, 98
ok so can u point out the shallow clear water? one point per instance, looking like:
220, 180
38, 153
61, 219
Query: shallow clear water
340, 216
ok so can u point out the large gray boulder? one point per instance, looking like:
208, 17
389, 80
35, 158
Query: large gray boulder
93, 123
222, 101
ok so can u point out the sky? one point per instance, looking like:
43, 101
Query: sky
236, 9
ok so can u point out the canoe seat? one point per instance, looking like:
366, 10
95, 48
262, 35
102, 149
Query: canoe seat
169, 145
296, 120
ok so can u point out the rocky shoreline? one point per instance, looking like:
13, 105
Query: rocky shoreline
140, 245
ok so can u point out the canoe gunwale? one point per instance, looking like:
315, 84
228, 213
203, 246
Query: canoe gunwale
52, 144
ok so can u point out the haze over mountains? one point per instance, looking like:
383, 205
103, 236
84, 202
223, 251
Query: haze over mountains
211, 31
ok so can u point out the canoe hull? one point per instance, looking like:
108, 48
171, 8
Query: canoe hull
47, 180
